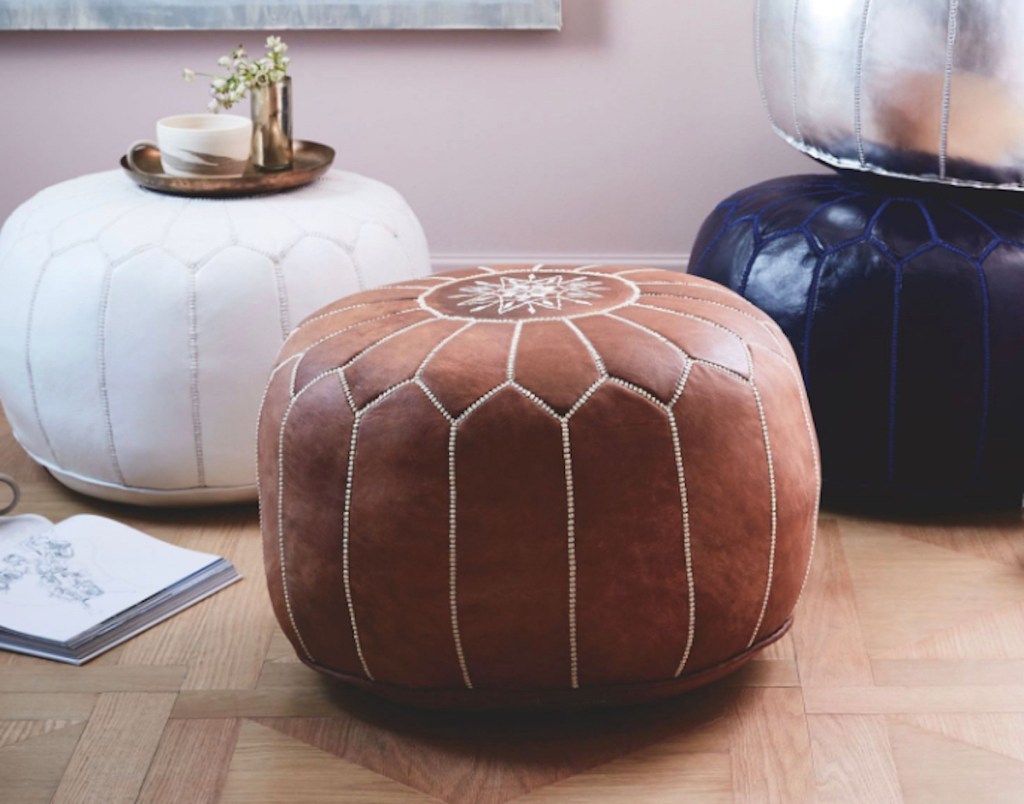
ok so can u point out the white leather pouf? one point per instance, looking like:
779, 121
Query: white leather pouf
137, 330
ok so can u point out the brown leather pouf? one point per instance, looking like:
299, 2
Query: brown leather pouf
536, 486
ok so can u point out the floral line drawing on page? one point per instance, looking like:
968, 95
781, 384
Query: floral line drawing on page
49, 559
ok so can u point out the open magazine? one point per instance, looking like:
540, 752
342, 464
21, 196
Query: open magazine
73, 590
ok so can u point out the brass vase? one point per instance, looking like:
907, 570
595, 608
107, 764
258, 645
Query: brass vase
272, 126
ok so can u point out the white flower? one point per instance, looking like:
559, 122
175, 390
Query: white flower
244, 74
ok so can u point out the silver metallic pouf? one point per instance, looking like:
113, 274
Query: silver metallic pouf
924, 89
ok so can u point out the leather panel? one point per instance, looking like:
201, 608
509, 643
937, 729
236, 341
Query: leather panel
795, 491
730, 510
330, 322
636, 356
316, 445
384, 366
553, 363
329, 355
939, 359
632, 590
512, 546
694, 337
748, 329
468, 367
275, 403
399, 559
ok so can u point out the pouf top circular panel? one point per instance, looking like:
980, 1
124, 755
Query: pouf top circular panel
536, 485
137, 330
913, 88
904, 304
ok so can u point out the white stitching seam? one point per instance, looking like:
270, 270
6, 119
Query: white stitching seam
858, 84
453, 602
766, 325
774, 500
280, 513
346, 533
193, 371
570, 498
795, 73
684, 502
758, 62
947, 85
335, 334
813, 443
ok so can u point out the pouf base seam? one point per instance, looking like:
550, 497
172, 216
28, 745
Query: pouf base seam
606, 695
154, 498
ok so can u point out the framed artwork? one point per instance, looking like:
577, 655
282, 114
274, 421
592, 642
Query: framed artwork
277, 14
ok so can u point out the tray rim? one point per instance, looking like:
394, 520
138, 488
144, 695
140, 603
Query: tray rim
232, 187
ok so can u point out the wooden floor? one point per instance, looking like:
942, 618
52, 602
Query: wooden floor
902, 680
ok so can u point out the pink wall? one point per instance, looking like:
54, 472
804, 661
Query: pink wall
611, 139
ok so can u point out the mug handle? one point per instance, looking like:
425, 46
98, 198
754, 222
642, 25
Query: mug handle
15, 493
133, 148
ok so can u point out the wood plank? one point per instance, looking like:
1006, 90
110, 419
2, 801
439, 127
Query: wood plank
997, 634
110, 762
218, 704
280, 649
204, 747
936, 769
30, 771
915, 700
826, 630
999, 733
994, 537
663, 774
947, 672
270, 767
853, 759
17, 731
230, 648
51, 677
907, 590
469, 759
771, 752
46, 706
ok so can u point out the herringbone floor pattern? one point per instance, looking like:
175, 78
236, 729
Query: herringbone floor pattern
903, 680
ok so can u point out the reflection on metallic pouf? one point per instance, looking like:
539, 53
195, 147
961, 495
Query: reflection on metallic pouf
912, 88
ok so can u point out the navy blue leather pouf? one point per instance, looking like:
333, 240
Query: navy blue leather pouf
905, 305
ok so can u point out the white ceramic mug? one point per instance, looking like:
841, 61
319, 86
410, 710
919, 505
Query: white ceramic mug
201, 145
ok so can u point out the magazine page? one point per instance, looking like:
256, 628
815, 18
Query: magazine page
56, 581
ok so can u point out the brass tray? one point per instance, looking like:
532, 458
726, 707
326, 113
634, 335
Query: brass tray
311, 161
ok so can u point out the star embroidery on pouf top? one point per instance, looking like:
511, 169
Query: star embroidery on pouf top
533, 293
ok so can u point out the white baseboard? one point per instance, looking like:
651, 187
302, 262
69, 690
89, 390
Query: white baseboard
671, 262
